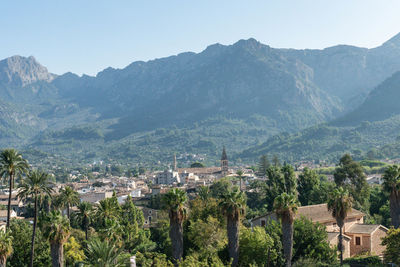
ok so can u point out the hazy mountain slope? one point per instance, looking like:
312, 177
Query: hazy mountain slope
238, 95
381, 103
234, 81
374, 125
350, 72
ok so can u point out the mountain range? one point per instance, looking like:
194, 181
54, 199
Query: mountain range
247, 96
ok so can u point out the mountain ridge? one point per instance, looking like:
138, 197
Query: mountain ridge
259, 89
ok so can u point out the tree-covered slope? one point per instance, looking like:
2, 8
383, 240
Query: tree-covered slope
238, 95
381, 103
372, 127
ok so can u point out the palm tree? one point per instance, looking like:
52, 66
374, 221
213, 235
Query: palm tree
391, 184
204, 193
36, 183
107, 209
102, 253
240, 174
12, 165
56, 229
6, 248
232, 204
69, 197
84, 216
285, 206
339, 203
174, 203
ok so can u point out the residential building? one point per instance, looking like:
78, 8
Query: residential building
16, 203
3, 215
168, 177
150, 216
95, 197
358, 237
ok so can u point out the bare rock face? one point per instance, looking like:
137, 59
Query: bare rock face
21, 71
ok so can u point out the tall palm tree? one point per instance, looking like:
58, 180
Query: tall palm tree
339, 203
285, 206
240, 174
56, 229
204, 193
174, 202
12, 164
35, 184
102, 253
69, 197
107, 209
232, 204
84, 216
6, 248
391, 184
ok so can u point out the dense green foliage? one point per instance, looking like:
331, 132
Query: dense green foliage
367, 140
207, 228
310, 241
350, 175
21, 232
364, 261
392, 241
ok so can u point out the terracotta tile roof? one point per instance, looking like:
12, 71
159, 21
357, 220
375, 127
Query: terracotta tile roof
13, 202
320, 213
5, 197
209, 170
3, 213
364, 228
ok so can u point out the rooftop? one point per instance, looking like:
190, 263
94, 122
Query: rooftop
320, 213
209, 170
364, 228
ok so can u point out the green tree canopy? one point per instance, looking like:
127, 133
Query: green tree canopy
197, 165
350, 174
391, 184
256, 247
392, 251
310, 241
6, 248
263, 165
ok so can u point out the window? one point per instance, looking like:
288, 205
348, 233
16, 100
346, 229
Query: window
149, 220
149, 211
334, 225
262, 223
358, 241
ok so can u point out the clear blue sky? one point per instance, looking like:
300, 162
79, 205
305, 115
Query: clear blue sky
87, 36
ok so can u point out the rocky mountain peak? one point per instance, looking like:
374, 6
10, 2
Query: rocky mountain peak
394, 41
21, 71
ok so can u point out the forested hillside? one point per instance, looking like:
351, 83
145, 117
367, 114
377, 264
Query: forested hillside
235, 95
371, 130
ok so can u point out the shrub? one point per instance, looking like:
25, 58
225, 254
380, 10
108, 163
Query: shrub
363, 261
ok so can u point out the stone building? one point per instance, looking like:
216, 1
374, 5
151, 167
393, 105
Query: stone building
207, 174
359, 238
95, 197
224, 163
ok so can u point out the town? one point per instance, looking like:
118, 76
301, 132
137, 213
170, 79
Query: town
82, 198
200, 133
